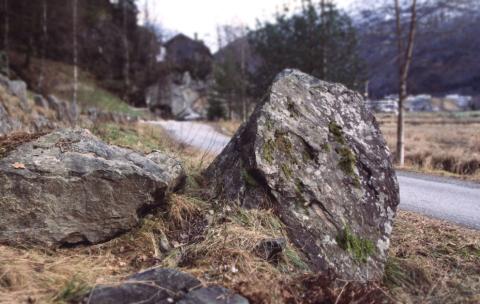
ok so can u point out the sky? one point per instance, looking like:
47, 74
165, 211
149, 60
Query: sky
203, 16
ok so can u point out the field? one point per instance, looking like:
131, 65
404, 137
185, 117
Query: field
440, 143
429, 262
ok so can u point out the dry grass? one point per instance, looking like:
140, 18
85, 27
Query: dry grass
433, 261
435, 143
228, 254
430, 261
41, 276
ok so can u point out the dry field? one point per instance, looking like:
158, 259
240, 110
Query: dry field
444, 143
430, 261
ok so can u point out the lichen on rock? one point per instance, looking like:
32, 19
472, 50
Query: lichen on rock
68, 187
320, 161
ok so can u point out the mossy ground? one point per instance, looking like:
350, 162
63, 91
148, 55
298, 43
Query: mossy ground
429, 261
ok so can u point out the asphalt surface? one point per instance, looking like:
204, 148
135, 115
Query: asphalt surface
438, 197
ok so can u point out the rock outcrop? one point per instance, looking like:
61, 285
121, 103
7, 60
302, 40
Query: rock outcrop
183, 93
69, 187
18, 113
314, 153
180, 97
158, 286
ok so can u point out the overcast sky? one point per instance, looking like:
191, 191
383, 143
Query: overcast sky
203, 16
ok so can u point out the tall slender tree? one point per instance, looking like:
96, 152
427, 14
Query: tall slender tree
6, 34
75, 51
126, 67
43, 44
404, 60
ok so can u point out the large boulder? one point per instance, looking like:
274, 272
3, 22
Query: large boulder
314, 153
180, 96
162, 286
69, 187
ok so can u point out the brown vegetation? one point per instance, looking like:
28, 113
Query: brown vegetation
430, 261
438, 143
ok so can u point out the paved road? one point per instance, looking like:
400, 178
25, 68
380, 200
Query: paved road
444, 198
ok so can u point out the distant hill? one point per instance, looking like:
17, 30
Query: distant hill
445, 54
445, 58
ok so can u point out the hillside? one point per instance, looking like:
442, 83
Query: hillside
445, 50
444, 58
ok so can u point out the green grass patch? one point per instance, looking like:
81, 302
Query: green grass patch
92, 96
130, 137
358, 247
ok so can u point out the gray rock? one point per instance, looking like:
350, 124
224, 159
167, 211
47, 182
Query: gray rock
41, 123
8, 123
213, 295
69, 187
40, 101
17, 88
154, 286
314, 153
65, 111
181, 97
162, 286
4, 121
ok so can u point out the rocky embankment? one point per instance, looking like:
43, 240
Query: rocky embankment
311, 152
21, 111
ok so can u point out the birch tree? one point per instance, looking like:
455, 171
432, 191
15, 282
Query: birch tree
404, 60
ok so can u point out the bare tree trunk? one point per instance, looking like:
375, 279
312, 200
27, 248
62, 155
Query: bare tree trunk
324, 38
404, 61
75, 53
5, 38
44, 45
126, 67
243, 88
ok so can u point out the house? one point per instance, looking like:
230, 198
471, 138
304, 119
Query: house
182, 94
188, 55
